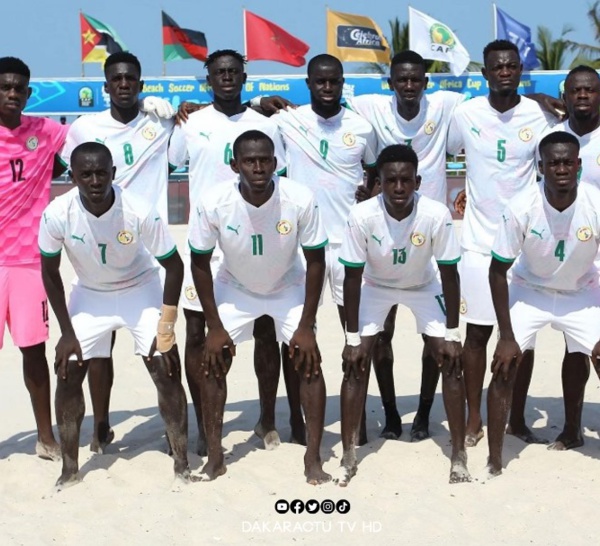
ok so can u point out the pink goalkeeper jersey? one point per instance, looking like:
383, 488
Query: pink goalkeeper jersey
26, 161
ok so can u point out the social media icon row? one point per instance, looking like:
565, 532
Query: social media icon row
312, 506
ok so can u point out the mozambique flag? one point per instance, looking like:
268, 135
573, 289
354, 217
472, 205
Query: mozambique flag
182, 43
98, 40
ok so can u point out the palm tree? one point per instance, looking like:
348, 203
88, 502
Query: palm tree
550, 52
587, 53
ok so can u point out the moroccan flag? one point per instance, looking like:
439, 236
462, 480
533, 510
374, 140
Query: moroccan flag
182, 43
98, 40
266, 41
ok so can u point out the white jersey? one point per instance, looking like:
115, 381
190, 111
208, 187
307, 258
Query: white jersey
138, 148
501, 161
207, 138
259, 244
325, 155
589, 153
112, 252
426, 133
553, 250
399, 254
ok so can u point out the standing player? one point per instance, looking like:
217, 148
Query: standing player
499, 134
550, 232
392, 238
138, 142
28, 146
261, 274
326, 146
206, 139
110, 237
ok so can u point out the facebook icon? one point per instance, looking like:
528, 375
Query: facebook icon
297, 506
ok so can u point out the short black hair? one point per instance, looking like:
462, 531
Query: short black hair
122, 57
13, 65
581, 69
224, 53
253, 134
323, 59
558, 137
90, 148
499, 45
408, 57
397, 153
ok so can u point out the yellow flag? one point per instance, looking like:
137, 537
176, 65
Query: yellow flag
356, 38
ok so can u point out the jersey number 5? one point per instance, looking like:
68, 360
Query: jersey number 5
501, 150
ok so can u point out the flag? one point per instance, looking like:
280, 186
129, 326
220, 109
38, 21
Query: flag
355, 38
434, 40
98, 40
519, 34
182, 43
267, 41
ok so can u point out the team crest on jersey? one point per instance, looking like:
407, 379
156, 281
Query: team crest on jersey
125, 237
598, 160
149, 133
284, 227
190, 293
463, 306
526, 134
32, 143
429, 127
584, 234
349, 139
417, 239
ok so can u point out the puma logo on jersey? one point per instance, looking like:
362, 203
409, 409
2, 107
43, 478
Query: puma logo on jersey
205, 135
79, 238
538, 233
388, 129
230, 228
504, 218
100, 140
377, 239
476, 131
303, 129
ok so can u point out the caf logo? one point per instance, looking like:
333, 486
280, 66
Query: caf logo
149, 133
463, 306
526, 134
284, 227
417, 239
125, 237
32, 143
190, 293
349, 139
429, 127
584, 234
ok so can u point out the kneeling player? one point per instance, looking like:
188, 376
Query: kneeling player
392, 238
550, 232
259, 221
110, 239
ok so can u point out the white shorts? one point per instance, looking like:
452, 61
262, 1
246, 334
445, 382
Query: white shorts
95, 315
239, 309
426, 304
476, 306
189, 298
576, 314
334, 273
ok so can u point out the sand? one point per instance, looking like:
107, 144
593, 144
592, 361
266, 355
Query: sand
400, 494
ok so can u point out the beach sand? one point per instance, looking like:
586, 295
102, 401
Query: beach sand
400, 495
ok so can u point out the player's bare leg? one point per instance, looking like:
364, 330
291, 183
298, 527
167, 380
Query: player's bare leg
474, 359
383, 364
575, 373
172, 405
37, 381
194, 347
516, 422
292, 387
70, 408
429, 379
267, 368
100, 380
498, 405
312, 398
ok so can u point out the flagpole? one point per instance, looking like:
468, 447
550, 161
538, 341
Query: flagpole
495, 15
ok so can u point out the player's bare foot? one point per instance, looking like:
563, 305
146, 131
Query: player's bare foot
494, 469
393, 428
270, 438
211, 471
420, 429
347, 469
564, 442
472, 438
458, 469
525, 434
100, 442
67, 479
315, 474
48, 451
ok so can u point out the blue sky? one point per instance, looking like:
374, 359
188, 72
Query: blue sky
46, 33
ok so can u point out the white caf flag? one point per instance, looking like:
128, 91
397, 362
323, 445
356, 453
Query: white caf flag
434, 40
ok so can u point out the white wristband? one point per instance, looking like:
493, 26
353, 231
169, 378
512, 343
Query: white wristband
353, 339
255, 101
452, 334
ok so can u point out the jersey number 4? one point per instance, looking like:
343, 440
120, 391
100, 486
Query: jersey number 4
559, 252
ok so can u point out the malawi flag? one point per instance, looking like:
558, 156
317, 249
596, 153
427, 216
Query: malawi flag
269, 42
182, 43
98, 40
